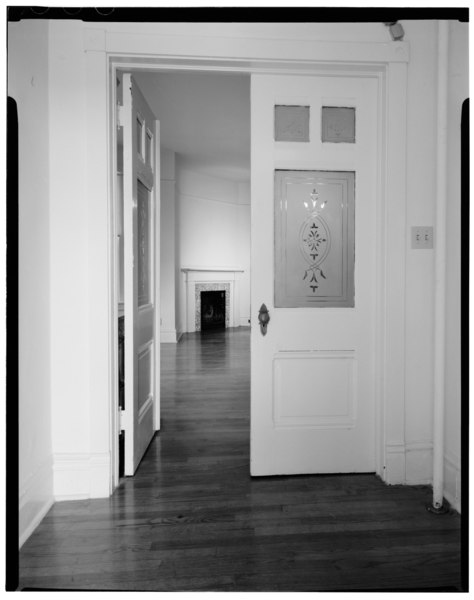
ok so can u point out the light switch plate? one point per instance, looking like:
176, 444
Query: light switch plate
422, 238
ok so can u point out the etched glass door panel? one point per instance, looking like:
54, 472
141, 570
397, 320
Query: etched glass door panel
314, 238
143, 240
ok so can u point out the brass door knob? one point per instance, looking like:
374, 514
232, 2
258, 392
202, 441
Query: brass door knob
263, 318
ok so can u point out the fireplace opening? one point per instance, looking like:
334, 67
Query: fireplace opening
212, 310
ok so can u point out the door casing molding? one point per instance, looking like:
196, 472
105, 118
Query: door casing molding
106, 53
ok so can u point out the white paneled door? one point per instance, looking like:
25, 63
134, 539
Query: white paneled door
141, 273
314, 215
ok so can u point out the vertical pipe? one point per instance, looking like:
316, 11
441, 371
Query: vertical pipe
440, 270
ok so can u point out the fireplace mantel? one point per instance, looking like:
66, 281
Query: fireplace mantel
208, 270
225, 278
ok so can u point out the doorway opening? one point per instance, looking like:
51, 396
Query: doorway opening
357, 68
205, 199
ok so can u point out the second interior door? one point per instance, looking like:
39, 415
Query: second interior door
141, 273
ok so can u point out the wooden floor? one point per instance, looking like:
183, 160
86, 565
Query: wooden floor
193, 519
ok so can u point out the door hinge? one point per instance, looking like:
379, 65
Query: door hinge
120, 115
121, 420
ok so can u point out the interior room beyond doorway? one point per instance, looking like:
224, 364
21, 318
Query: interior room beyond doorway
205, 191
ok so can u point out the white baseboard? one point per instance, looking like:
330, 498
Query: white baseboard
244, 322
419, 463
168, 336
412, 464
409, 464
35, 499
395, 468
452, 480
81, 476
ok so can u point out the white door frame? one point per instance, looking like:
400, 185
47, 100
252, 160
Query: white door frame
387, 62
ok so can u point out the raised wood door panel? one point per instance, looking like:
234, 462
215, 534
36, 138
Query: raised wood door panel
141, 273
313, 379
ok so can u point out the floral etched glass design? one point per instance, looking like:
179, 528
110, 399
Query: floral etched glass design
314, 238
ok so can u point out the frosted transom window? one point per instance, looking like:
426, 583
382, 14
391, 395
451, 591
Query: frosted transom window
291, 123
338, 124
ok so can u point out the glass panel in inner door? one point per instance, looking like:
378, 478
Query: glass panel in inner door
143, 250
314, 238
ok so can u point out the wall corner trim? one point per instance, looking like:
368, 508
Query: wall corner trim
439, 324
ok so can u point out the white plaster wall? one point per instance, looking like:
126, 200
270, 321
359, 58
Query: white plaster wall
458, 91
168, 247
214, 229
28, 75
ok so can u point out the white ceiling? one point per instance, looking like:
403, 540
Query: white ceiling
204, 117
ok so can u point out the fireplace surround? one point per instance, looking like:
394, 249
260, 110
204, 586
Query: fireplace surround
198, 280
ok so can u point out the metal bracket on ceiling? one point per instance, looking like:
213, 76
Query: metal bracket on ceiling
396, 30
